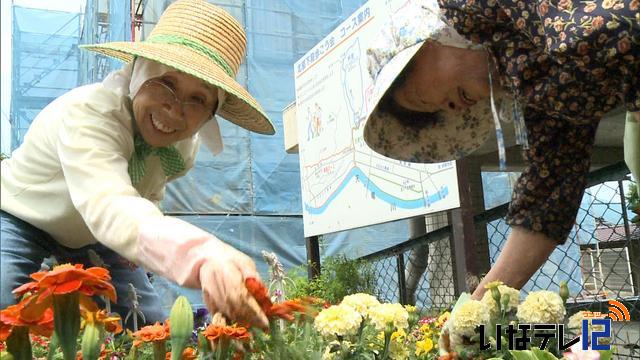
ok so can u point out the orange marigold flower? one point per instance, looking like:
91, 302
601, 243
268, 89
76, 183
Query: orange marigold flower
216, 332
282, 310
64, 279
67, 278
259, 292
111, 323
151, 333
286, 309
11, 317
187, 354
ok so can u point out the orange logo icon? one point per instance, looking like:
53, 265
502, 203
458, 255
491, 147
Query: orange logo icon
618, 312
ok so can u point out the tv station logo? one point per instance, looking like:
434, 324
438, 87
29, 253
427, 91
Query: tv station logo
520, 336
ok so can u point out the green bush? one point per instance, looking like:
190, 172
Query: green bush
339, 277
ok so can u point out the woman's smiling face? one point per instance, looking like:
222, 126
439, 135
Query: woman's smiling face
173, 107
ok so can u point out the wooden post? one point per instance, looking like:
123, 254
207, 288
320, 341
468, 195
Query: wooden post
313, 257
402, 285
463, 230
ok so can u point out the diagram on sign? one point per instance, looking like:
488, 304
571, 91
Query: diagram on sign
344, 183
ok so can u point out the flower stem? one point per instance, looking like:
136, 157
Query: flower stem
222, 349
66, 321
360, 330
387, 345
18, 343
159, 350
135, 321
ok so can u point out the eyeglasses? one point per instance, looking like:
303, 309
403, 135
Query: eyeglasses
193, 109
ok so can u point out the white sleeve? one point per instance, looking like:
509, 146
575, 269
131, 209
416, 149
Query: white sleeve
93, 148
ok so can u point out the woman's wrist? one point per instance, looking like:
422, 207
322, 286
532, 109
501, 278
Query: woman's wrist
511, 267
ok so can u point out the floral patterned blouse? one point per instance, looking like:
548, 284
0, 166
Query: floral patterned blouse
568, 62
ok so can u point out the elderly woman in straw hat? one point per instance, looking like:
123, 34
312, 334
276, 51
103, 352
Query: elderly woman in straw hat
95, 162
446, 76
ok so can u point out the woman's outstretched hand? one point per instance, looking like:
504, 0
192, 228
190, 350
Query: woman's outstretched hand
222, 279
194, 258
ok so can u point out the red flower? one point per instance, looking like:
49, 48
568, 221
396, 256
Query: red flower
427, 320
11, 317
40, 340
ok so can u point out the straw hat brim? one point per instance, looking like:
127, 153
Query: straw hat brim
240, 107
455, 135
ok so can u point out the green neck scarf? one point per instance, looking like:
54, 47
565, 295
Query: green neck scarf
170, 159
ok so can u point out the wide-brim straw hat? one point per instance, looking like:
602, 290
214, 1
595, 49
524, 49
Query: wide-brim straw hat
451, 135
203, 40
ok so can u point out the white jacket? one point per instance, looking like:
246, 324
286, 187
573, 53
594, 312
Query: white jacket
69, 177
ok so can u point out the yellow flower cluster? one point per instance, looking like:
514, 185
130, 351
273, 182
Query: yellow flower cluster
361, 302
395, 336
424, 346
541, 307
411, 309
490, 303
426, 329
338, 320
397, 349
443, 319
389, 314
468, 316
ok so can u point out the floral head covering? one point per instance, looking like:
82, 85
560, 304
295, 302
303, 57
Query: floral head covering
454, 134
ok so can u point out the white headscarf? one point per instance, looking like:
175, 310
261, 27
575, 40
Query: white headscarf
129, 79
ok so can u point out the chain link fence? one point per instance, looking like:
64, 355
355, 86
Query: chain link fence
600, 260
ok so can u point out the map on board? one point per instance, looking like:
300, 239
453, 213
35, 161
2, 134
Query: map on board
344, 183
